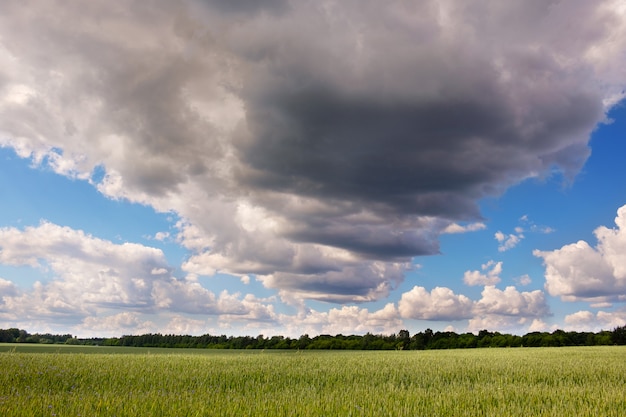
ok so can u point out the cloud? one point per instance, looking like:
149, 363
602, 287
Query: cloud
508, 241
492, 276
457, 228
588, 321
511, 302
93, 271
523, 280
439, 304
531, 226
91, 276
360, 283
282, 132
344, 320
7, 288
505, 310
114, 325
509, 310
161, 236
539, 325
135, 323
580, 272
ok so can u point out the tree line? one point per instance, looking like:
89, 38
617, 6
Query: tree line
403, 340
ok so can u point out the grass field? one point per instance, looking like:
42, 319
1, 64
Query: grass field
99, 381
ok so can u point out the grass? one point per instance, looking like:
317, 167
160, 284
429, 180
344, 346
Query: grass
102, 381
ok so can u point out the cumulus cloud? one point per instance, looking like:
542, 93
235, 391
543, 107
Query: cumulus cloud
93, 271
511, 302
539, 325
90, 276
439, 304
344, 320
507, 309
588, 321
305, 142
580, 272
491, 277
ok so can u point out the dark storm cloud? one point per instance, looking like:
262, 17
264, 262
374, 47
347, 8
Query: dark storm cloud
358, 283
405, 154
417, 121
373, 242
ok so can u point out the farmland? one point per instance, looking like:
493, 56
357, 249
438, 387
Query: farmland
106, 381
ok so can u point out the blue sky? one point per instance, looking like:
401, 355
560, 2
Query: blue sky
286, 168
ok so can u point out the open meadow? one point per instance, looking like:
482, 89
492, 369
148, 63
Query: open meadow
57, 380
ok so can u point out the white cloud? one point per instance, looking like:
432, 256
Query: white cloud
114, 325
580, 272
457, 228
7, 288
161, 236
542, 229
491, 277
507, 242
511, 302
602, 304
588, 321
494, 322
344, 320
523, 280
184, 325
531, 226
502, 310
92, 271
509, 310
539, 325
91, 276
248, 309
439, 304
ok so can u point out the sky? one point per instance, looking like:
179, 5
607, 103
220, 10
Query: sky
288, 167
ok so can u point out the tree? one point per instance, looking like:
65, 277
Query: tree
403, 339
6, 336
418, 341
303, 341
618, 336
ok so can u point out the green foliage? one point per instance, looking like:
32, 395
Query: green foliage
618, 335
121, 381
402, 341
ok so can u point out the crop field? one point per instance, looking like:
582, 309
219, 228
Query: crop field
100, 381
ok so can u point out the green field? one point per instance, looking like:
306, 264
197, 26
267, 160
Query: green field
58, 380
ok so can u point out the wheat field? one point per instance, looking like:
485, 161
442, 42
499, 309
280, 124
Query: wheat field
98, 381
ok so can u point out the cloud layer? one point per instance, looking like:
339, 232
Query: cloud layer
97, 287
318, 145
